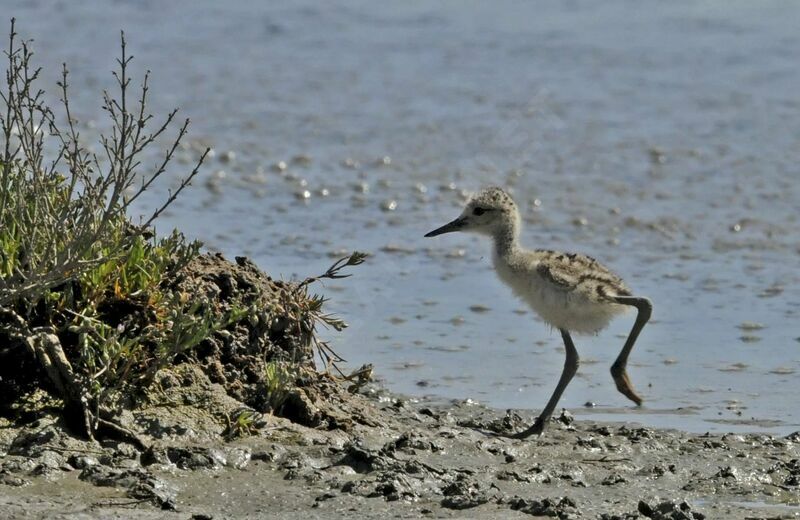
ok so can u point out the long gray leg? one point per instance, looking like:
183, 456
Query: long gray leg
618, 372
570, 368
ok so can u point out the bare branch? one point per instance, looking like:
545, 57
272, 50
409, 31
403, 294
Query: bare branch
65, 223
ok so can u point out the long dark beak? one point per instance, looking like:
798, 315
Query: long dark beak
455, 225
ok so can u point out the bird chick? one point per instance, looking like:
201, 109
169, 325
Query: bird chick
570, 291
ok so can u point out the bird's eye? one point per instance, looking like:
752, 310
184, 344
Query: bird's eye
478, 211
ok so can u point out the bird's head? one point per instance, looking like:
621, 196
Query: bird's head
488, 212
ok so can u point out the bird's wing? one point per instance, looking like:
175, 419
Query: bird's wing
556, 276
575, 271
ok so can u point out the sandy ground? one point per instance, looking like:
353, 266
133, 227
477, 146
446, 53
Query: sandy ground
403, 459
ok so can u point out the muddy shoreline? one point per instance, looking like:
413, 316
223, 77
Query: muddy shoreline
379, 455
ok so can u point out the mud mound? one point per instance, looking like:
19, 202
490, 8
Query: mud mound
272, 326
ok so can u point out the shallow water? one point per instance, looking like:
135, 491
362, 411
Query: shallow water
660, 138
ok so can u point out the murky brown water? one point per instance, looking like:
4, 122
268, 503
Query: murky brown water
661, 138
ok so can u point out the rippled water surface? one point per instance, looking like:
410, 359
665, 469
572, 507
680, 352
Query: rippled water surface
661, 138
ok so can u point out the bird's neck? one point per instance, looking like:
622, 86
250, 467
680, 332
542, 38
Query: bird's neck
506, 239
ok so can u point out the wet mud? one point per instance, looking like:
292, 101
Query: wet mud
390, 456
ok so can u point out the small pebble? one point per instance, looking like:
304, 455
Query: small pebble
750, 325
657, 155
350, 163
302, 159
749, 338
456, 253
279, 166
735, 367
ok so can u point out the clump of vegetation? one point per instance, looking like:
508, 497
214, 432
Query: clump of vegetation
243, 422
64, 209
81, 285
92, 304
278, 381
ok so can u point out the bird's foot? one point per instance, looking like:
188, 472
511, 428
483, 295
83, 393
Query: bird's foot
624, 385
536, 429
